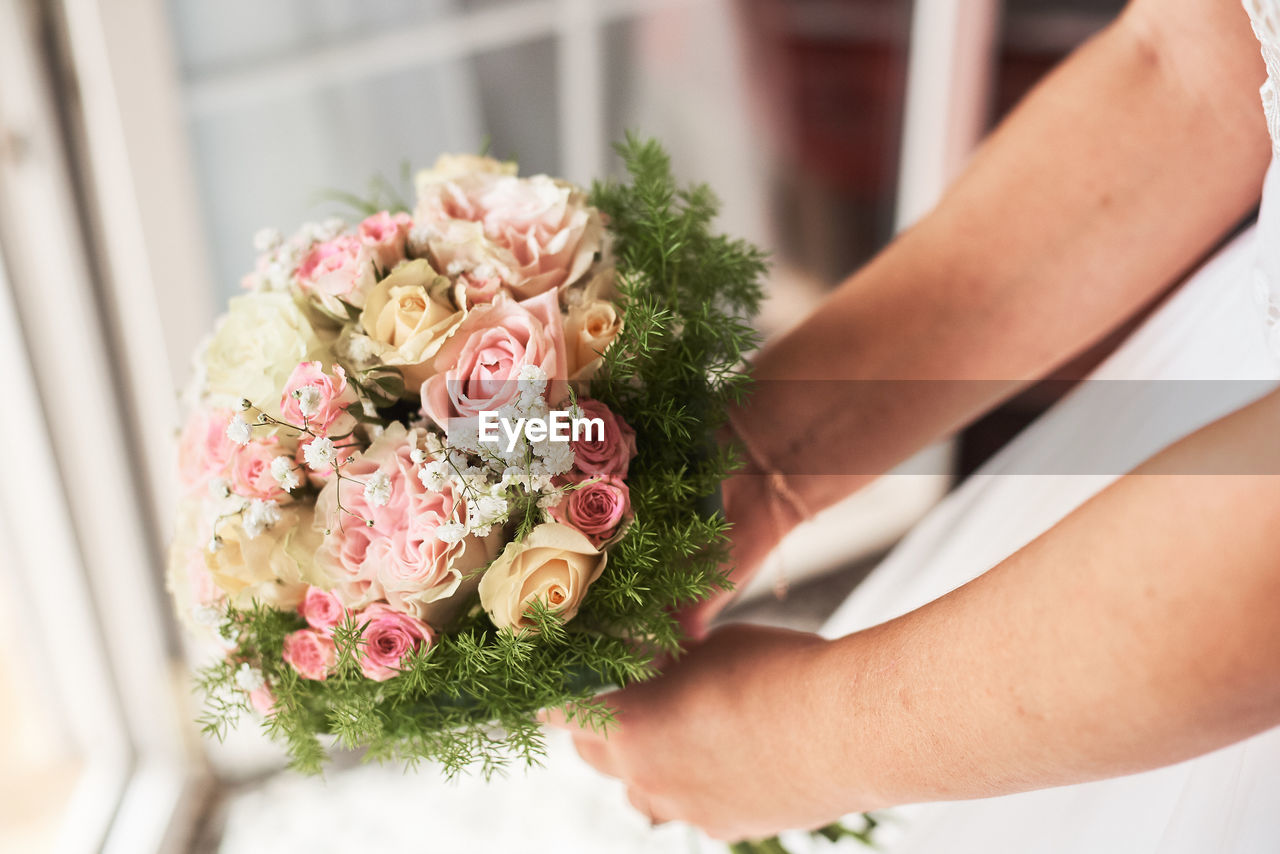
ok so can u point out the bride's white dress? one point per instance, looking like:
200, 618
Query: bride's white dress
1220, 325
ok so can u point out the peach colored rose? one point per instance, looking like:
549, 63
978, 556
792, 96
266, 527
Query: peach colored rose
388, 637
600, 507
384, 235
611, 454
204, 451
407, 318
310, 653
262, 700
329, 394
589, 329
535, 234
478, 367
553, 565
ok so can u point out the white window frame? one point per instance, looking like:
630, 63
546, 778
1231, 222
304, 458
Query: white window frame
77, 521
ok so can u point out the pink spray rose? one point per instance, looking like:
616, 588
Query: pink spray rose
389, 636
600, 507
320, 400
610, 454
322, 610
535, 234
262, 700
478, 368
337, 271
310, 653
383, 236
204, 449
250, 471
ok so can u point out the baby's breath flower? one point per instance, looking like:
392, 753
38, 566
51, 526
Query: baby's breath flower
308, 400
377, 489
418, 456
249, 678
258, 516
219, 488
238, 430
285, 473
206, 615
451, 532
266, 239
320, 453
434, 475
215, 544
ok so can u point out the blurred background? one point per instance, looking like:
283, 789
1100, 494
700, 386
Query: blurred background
143, 142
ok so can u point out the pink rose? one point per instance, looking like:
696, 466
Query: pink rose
337, 271
250, 472
310, 653
610, 454
536, 234
389, 636
263, 700
599, 507
383, 236
478, 368
319, 400
204, 449
322, 610
400, 555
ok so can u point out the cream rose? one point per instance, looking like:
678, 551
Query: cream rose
407, 317
259, 342
275, 567
451, 166
554, 565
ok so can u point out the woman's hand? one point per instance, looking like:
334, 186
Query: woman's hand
730, 738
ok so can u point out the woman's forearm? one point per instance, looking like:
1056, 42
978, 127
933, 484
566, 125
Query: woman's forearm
1098, 192
1139, 631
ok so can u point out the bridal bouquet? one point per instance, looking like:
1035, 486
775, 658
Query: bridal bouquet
450, 465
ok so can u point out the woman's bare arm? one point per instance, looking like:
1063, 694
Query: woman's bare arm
1112, 179
1139, 631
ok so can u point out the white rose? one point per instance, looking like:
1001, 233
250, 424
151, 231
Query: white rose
553, 565
258, 343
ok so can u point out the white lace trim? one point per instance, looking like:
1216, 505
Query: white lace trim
1265, 17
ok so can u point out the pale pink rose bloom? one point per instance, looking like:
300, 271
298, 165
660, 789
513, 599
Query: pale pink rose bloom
384, 235
389, 636
600, 507
473, 288
322, 610
204, 450
337, 271
478, 368
335, 398
250, 472
400, 553
310, 653
536, 233
263, 700
610, 455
